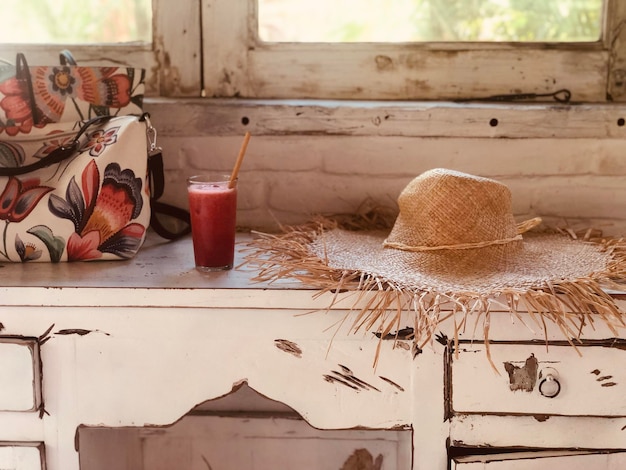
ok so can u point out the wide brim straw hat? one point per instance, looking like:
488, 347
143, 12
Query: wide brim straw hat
454, 251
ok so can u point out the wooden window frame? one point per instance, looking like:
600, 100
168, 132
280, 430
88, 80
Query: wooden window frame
211, 48
238, 64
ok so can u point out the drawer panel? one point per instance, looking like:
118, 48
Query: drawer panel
22, 456
543, 460
593, 384
21, 384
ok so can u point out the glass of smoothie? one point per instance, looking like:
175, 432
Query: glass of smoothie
213, 209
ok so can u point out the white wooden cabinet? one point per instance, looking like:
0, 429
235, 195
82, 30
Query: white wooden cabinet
139, 359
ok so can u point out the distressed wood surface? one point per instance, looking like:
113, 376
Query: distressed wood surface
555, 432
226, 32
143, 342
615, 39
216, 41
541, 460
421, 72
144, 366
593, 372
162, 275
177, 48
225, 117
240, 65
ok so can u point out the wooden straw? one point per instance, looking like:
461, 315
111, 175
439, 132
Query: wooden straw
242, 152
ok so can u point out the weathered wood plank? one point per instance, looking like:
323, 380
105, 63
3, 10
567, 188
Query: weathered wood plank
416, 72
227, 30
615, 40
554, 460
177, 48
423, 119
556, 432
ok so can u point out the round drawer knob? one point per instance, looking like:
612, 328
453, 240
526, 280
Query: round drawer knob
549, 385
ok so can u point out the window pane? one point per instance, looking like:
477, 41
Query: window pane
429, 20
76, 21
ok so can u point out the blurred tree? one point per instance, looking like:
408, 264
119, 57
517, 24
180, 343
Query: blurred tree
509, 20
72, 22
98, 21
431, 20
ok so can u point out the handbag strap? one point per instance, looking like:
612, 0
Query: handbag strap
67, 58
156, 181
22, 74
58, 154
162, 208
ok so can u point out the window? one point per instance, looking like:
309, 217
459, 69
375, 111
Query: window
429, 20
223, 48
442, 70
72, 22
169, 50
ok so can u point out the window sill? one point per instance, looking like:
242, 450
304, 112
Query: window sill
197, 117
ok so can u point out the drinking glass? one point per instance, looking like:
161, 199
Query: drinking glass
213, 209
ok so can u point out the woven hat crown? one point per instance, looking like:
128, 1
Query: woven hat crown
446, 209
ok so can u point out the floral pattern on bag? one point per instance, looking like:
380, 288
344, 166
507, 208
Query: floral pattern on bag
93, 91
17, 201
94, 204
98, 140
15, 104
55, 140
11, 155
102, 215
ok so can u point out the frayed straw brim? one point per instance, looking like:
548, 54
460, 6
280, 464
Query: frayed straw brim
555, 278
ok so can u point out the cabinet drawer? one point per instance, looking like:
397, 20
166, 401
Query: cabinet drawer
21, 381
22, 456
564, 460
590, 384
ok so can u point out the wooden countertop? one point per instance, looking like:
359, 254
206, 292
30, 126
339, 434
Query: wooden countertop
161, 275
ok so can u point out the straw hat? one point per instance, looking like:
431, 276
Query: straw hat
454, 249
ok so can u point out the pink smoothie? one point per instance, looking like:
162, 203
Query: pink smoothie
213, 208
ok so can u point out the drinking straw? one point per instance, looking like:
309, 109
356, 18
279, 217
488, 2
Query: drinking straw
242, 152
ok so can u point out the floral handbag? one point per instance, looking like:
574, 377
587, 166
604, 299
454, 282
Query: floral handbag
35, 96
80, 191
80, 172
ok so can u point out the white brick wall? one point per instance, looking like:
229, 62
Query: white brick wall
286, 178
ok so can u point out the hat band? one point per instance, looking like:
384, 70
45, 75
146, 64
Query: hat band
521, 228
459, 246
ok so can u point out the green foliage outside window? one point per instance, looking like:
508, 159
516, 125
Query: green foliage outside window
118, 21
430, 20
76, 21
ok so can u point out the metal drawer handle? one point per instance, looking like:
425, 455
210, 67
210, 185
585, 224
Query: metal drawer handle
549, 385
